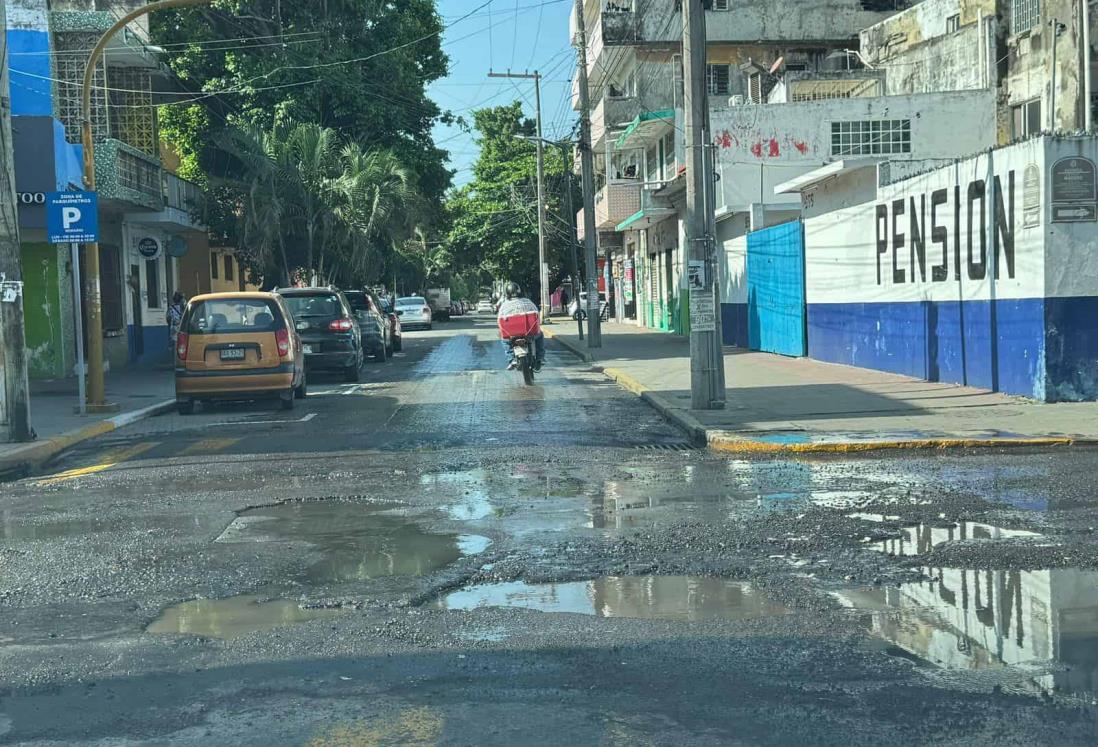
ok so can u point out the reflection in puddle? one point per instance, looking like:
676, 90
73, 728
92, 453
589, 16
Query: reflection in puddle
233, 617
979, 619
360, 542
922, 538
649, 597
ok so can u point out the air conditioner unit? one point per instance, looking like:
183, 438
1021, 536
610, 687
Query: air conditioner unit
736, 100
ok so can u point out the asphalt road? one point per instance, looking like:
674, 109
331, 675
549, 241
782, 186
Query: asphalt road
441, 555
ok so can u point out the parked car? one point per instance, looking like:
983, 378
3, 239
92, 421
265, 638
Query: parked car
394, 323
456, 309
373, 323
414, 312
484, 306
330, 333
581, 304
238, 346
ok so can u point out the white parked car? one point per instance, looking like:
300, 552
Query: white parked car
414, 312
485, 307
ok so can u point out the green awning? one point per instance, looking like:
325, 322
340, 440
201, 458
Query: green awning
646, 125
645, 218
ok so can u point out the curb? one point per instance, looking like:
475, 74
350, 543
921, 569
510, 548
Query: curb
587, 356
34, 455
727, 442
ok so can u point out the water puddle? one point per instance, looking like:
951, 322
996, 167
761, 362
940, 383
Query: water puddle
234, 616
359, 541
1040, 627
646, 597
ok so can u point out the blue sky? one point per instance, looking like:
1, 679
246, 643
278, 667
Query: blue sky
522, 35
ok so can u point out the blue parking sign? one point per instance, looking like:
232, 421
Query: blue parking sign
72, 217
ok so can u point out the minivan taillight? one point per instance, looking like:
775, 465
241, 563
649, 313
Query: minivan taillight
282, 339
182, 343
341, 325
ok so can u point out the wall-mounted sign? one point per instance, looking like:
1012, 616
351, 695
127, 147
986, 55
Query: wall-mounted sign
72, 217
695, 275
703, 314
1074, 188
149, 248
31, 198
1031, 196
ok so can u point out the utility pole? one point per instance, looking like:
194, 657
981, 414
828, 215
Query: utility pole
590, 250
543, 268
15, 409
706, 355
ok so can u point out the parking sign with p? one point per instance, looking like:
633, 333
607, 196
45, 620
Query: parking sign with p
72, 217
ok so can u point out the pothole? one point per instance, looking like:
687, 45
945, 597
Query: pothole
359, 542
645, 597
234, 616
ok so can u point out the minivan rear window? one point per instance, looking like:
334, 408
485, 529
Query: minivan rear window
305, 307
357, 301
233, 316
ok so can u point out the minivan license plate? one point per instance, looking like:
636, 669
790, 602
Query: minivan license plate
232, 354
308, 349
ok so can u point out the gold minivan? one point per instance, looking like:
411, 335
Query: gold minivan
238, 346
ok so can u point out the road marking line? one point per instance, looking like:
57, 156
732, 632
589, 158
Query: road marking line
305, 419
110, 459
207, 445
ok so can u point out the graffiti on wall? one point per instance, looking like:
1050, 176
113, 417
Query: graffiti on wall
764, 146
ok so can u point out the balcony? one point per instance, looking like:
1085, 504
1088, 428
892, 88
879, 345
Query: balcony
128, 48
184, 206
615, 203
125, 175
652, 208
612, 113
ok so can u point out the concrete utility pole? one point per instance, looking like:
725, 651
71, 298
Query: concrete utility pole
706, 355
543, 268
96, 389
590, 251
15, 409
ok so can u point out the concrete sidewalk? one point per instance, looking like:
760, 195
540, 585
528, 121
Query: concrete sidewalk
795, 404
138, 393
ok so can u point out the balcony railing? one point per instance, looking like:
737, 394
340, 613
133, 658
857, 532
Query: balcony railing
183, 195
615, 202
125, 174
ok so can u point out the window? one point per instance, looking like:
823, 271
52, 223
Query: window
1024, 15
719, 4
110, 281
229, 267
213, 265
1026, 119
152, 283
881, 137
754, 88
718, 79
230, 316
953, 23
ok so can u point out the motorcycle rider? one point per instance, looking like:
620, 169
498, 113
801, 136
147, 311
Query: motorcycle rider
516, 305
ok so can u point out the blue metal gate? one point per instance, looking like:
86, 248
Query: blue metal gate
775, 290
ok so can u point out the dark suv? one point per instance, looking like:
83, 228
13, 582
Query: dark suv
330, 333
374, 324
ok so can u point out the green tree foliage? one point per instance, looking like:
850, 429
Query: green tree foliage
492, 221
355, 67
310, 206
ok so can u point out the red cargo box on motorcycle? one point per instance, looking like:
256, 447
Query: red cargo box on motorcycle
519, 317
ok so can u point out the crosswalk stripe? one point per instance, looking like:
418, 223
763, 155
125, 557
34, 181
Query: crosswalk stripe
208, 445
109, 459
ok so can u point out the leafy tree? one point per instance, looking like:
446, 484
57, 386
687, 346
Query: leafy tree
492, 222
359, 68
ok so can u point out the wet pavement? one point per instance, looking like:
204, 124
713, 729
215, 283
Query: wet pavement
441, 555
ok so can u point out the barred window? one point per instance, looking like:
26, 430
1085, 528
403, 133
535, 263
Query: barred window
718, 79
881, 137
1024, 15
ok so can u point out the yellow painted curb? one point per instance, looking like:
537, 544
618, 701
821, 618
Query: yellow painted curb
626, 381
748, 446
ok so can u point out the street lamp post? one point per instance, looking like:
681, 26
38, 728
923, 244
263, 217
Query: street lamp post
96, 391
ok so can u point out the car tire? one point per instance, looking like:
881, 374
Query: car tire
397, 345
302, 390
382, 353
287, 400
185, 406
351, 373
429, 327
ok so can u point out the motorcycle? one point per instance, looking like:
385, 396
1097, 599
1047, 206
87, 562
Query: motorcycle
525, 357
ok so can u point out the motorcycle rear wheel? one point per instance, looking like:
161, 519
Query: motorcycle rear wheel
528, 371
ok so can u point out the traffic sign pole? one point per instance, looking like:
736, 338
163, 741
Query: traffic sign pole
81, 364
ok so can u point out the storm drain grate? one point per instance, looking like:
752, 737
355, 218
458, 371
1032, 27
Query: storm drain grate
684, 446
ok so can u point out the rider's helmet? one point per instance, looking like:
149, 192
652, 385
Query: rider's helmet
511, 290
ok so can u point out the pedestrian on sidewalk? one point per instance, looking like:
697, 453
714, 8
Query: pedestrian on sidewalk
175, 317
